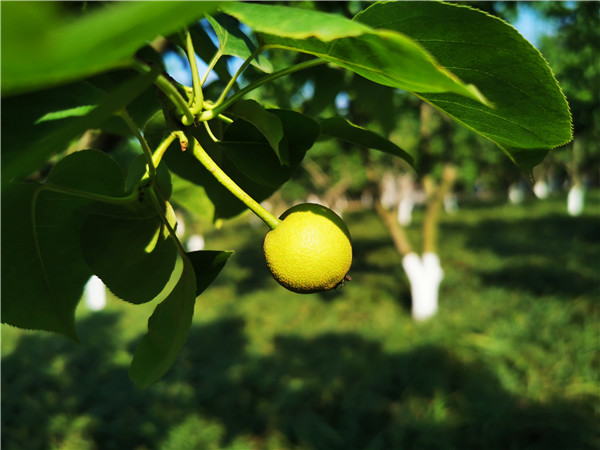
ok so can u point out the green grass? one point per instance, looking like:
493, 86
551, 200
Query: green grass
510, 362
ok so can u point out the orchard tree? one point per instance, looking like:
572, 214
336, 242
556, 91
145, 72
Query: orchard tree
68, 215
573, 54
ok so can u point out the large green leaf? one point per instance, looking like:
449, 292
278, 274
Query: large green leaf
267, 123
207, 264
193, 198
344, 130
128, 247
132, 253
43, 45
28, 118
169, 325
384, 56
531, 115
43, 272
18, 161
168, 328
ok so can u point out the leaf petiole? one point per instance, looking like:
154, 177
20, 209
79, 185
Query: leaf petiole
224, 118
171, 92
210, 133
198, 101
233, 79
154, 194
218, 108
123, 114
211, 65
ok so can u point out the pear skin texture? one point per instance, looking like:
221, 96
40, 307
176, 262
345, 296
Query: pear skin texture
310, 250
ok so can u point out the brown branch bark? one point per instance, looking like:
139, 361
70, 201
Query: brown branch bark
434, 208
396, 231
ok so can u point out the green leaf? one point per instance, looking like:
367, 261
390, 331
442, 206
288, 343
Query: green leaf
340, 128
43, 272
168, 328
128, 247
169, 325
248, 151
43, 45
531, 115
374, 101
140, 109
90, 171
131, 253
384, 56
300, 131
18, 161
267, 123
234, 42
193, 198
25, 117
207, 264
293, 22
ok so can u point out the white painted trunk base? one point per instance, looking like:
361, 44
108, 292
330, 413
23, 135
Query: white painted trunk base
516, 194
194, 243
95, 294
425, 275
576, 200
405, 209
541, 189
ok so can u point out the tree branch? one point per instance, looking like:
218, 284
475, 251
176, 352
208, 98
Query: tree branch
434, 207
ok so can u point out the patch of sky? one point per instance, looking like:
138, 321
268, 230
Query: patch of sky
532, 25
342, 102
178, 66
305, 93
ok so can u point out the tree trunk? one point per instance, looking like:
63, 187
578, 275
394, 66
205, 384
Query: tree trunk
424, 272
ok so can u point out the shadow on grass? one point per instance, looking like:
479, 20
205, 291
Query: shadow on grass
334, 391
554, 254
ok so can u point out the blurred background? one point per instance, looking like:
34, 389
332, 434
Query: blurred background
510, 360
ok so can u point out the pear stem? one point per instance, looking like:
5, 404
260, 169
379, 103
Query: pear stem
224, 179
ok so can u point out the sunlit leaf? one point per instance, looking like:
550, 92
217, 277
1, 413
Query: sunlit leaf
531, 115
169, 325
384, 56
60, 49
168, 328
